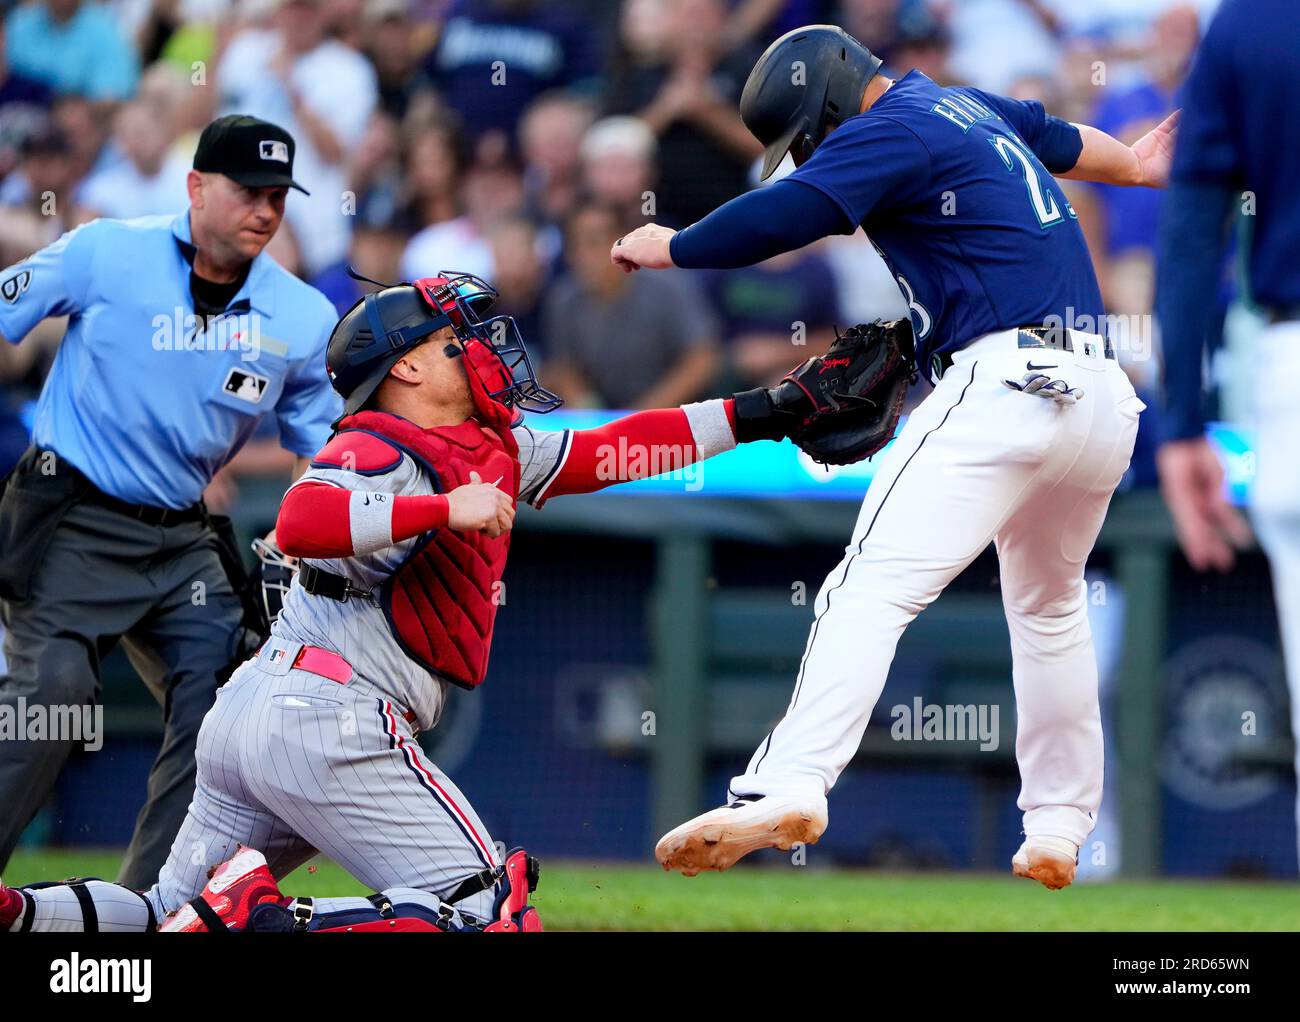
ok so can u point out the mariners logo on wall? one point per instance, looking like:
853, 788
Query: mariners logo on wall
245, 385
12, 288
1227, 721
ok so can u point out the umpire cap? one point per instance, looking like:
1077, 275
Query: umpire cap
804, 84
250, 151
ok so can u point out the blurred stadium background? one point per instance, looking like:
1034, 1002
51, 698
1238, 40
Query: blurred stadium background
650, 637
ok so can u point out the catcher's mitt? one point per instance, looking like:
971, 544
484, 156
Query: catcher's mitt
839, 407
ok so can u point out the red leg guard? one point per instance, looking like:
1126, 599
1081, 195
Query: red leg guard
519, 879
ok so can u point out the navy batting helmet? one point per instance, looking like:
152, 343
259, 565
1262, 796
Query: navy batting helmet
804, 84
372, 335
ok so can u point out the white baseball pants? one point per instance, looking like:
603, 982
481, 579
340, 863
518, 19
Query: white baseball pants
1275, 503
977, 462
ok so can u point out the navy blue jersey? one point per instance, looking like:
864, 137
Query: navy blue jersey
949, 186
1241, 130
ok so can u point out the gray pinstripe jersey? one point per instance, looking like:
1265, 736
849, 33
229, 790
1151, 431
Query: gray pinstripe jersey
357, 630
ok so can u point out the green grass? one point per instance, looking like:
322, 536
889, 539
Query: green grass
595, 896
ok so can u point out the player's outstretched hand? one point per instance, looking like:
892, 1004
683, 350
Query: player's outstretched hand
646, 247
1210, 529
1155, 152
480, 507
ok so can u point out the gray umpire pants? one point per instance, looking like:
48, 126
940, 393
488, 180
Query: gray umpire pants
161, 591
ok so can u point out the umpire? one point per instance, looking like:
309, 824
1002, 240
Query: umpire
181, 335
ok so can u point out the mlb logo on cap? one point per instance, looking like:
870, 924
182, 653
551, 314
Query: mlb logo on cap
253, 152
273, 149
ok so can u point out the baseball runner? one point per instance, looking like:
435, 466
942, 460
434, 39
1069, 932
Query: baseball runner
402, 526
182, 335
1027, 432
1236, 140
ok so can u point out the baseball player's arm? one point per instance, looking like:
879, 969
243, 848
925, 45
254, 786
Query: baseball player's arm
633, 447
832, 193
1193, 232
1190, 254
747, 230
336, 511
308, 405
1107, 160
1206, 176
319, 520
1081, 151
300, 466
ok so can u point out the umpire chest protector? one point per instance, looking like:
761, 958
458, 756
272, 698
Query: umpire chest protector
440, 602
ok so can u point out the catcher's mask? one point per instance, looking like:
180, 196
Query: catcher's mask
275, 573
380, 328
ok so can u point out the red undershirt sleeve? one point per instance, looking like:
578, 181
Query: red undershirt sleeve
644, 444
319, 520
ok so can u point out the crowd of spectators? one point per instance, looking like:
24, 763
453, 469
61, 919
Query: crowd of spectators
516, 139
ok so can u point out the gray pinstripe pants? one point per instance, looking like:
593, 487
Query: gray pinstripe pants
292, 764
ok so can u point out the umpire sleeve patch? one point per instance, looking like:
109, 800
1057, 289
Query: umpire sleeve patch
13, 287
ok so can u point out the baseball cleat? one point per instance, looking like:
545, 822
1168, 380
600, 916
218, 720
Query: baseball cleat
719, 838
236, 888
1049, 860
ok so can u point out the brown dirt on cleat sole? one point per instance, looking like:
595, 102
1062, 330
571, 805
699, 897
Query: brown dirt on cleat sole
718, 846
1052, 871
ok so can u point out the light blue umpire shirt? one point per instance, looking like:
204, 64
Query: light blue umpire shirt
142, 398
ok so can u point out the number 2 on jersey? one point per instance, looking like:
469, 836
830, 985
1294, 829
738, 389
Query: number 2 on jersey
1044, 202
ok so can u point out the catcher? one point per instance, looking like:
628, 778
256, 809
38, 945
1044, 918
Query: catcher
402, 526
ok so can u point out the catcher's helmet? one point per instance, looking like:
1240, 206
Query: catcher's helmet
383, 326
804, 84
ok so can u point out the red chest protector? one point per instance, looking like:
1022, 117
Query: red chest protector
441, 601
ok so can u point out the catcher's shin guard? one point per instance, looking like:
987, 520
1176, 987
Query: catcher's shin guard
398, 911
404, 910
231, 898
511, 911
